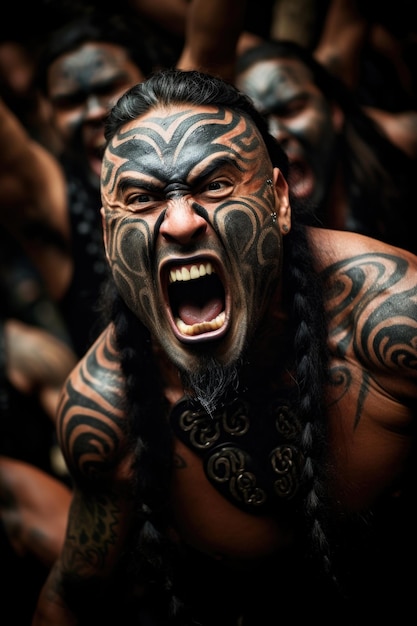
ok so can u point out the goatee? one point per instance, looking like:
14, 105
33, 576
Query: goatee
212, 385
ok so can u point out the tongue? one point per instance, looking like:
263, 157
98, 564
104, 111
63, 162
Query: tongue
191, 313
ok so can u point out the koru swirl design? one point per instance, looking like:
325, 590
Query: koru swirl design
250, 451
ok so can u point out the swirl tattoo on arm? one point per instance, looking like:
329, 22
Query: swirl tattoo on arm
90, 417
371, 305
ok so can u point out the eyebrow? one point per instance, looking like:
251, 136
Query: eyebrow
127, 182
217, 164
130, 181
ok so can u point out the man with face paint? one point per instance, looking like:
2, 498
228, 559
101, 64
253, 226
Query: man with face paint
243, 428
344, 170
86, 66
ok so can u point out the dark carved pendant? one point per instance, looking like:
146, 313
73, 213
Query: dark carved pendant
250, 452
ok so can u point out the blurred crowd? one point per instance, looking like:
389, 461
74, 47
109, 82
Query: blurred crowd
337, 82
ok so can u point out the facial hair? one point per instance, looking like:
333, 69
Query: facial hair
212, 385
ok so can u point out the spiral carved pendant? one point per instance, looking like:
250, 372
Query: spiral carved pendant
250, 452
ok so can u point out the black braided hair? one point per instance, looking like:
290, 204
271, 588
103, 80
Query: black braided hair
150, 439
302, 291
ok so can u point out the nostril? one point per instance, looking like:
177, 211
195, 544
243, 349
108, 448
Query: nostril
199, 232
168, 238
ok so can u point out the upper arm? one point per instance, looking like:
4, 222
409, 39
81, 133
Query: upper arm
32, 183
92, 434
91, 423
212, 32
33, 200
343, 35
371, 302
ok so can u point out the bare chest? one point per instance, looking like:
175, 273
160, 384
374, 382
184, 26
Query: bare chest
237, 488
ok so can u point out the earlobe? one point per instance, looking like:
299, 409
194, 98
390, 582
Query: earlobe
284, 208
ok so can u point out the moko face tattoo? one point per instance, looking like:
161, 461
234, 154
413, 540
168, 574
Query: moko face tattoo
188, 230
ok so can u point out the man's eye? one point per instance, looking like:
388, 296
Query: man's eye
292, 108
213, 186
140, 198
218, 185
142, 201
143, 197
71, 101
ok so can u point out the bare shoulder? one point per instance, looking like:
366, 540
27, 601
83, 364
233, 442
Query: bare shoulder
333, 247
98, 370
370, 298
91, 424
370, 291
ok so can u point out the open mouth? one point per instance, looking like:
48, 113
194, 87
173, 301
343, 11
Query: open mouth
197, 299
300, 179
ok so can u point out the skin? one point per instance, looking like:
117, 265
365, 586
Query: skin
32, 190
305, 123
33, 510
340, 48
173, 204
183, 211
400, 127
85, 83
33, 505
37, 363
82, 87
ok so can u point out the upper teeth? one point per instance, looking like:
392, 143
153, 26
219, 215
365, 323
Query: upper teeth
195, 271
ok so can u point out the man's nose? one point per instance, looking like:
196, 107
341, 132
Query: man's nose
182, 223
95, 107
277, 128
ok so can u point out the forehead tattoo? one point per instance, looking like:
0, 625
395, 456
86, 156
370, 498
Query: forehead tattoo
165, 148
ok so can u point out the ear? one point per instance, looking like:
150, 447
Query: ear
283, 202
105, 234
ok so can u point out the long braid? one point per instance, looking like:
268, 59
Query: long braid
151, 439
303, 292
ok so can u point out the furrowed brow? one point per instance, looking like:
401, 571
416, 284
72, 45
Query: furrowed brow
129, 182
218, 164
